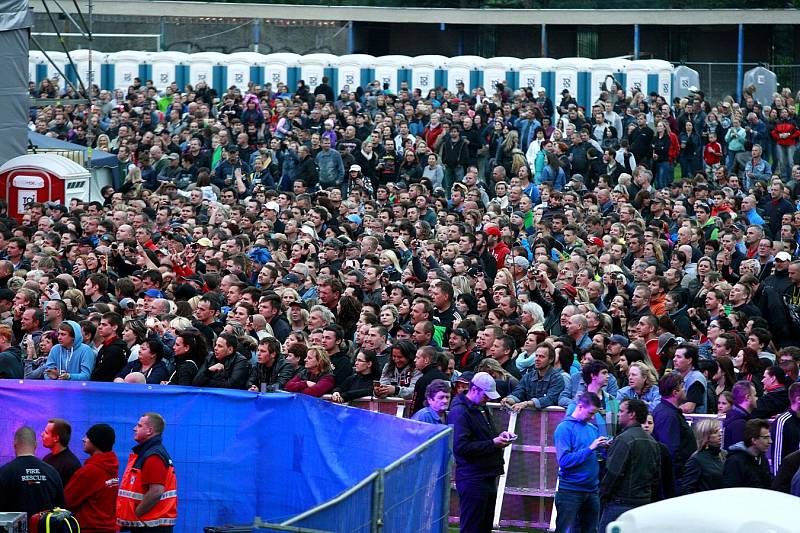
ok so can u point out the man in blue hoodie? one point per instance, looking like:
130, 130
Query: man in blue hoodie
576, 439
70, 358
478, 451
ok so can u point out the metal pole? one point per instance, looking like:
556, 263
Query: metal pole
91, 134
636, 41
162, 33
256, 34
739, 61
544, 40
351, 37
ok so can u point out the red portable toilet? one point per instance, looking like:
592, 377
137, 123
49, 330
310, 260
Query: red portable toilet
42, 178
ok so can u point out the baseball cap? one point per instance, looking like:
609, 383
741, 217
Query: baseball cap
664, 340
597, 241
783, 256
127, 303
540, 89
205, 242
487, 384
272, 206
154, 293
619, 339
290, 278
461, 332
355, 168
354, 219
299, 303
493, 231
571, 291
521, 262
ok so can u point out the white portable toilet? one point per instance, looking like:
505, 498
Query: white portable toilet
537, 72
35, 59
765, 81
166, 67
393, 70
427, 72
659, 77
278, 67
465, 69
60, 59
239, 67
354, 70
81, 60
314, 66
498, 69
600, 70
572, 74
203, 66
683, 79
636, 77
122, 67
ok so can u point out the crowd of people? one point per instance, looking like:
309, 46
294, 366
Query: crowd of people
643, 251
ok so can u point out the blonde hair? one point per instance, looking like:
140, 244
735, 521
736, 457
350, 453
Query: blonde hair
392, 257
321, 354
648, 376
703, 431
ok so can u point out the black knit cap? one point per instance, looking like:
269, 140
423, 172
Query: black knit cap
102, 436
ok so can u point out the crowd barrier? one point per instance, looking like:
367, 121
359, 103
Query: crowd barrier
296, 462
583, 77
527, 491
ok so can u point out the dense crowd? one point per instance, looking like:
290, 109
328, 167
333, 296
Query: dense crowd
381, 242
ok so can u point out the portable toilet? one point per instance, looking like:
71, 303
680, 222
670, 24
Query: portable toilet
659, 77
207, 67
499, 69
465, 69
683, 79
392, 71
314, 66
166, 67
49, 71
241, 68
603, 72
281, 68
122, 67
81, 60
353, 71
36, 64
535, 72
45, 178
572, 74
427, 72
636, 78
765, 81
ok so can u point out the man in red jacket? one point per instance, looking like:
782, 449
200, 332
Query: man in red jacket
92, 491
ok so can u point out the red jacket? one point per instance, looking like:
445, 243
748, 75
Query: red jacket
786, 127
91, 493
431, 134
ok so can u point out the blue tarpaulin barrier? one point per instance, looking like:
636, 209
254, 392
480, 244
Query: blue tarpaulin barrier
239, 454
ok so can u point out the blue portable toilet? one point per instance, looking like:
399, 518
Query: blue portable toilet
240, 68
535, 72
604, 72
281, 68
572, 74
465, 69
427, 72
353, 71
393, 70
498, 70
122, 67
314, 66
37, 67
168, 67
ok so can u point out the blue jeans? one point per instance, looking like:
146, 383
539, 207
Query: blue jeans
785, 157
476, 500
578, 512
611, 512
665, 174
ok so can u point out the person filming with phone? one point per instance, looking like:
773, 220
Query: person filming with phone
478, 450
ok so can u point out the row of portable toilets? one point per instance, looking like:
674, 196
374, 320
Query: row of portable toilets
585, 78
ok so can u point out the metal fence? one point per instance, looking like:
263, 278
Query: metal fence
718, 80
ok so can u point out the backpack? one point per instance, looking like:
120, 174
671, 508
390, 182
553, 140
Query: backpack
55, 520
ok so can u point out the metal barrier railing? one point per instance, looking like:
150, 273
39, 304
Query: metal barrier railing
527, 490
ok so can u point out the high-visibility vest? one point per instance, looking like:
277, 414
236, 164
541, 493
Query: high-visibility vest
131, 492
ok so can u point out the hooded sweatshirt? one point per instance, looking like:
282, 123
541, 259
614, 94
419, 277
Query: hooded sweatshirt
578, 467
77, 361
92, 493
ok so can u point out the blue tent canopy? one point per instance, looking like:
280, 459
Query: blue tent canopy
99, 159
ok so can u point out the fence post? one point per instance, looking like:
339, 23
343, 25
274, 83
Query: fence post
739, 60
544, 40
377, 502
636, 41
